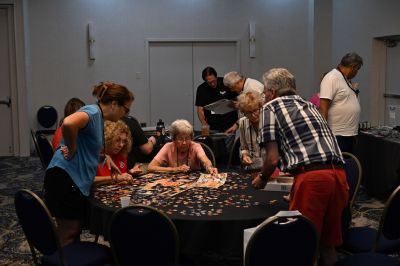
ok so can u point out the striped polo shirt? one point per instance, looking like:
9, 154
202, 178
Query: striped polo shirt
301, 132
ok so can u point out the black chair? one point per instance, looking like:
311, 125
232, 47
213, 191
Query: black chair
41, 233
384, 240
209, 152
234, 155
47, 119
353, 175
289, 240
143, 235
43, 148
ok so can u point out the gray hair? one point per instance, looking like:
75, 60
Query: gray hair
231, 78
180, 126
351, 60
280, 80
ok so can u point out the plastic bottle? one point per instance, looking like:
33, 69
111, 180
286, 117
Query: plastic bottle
160, 128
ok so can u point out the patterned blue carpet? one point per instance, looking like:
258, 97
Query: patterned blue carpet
26, 172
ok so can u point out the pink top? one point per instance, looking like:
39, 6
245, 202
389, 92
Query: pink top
168, 156
315, 99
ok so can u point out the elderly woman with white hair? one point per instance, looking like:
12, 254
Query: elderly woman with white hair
182, 154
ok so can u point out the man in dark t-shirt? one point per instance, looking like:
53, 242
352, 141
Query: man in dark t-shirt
211, 90
141, 146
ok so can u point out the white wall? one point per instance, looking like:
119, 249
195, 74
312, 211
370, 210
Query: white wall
355, 24
59, 68
306, 36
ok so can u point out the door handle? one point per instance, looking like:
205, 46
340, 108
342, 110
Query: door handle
6, 102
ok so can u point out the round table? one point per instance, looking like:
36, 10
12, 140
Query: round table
209, 220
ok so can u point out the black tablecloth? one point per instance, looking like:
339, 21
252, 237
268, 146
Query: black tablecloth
209, 221
380, 161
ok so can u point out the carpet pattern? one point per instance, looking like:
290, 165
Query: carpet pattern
26, 172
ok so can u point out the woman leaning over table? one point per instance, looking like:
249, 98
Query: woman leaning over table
71, 172
182, 154
118, 142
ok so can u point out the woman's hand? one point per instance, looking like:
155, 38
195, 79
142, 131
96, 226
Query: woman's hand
136, 170
111, 165
246, 160
258, 183
66, 153
124, 178
212, 170
183, 168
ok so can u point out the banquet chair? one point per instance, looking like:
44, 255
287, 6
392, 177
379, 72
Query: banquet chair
204, 139
353, 176
385, 239
47, 119
209, 152
41, 233
143, 235
43, 148
291, 240
234, 155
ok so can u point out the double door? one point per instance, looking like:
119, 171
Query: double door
175, 73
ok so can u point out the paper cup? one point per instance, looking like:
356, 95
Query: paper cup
125, 201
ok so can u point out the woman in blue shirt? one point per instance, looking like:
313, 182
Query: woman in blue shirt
71, 172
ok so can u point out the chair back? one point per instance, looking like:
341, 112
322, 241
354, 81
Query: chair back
142, 235
283, 241
209, 152
43, 148
390, 219
234, 154
353, 175
37, 223
204, 139
47, 119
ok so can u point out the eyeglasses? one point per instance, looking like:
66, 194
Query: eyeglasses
187, 139
126, 109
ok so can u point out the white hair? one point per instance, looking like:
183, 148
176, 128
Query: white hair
231, 78
280, 80
180, 126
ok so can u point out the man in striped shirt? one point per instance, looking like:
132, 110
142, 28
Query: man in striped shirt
298, 139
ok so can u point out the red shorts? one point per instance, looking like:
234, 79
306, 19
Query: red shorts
321, 196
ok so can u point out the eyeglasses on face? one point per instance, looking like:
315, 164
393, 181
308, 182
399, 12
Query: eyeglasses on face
253, 112
183, 139
126, 109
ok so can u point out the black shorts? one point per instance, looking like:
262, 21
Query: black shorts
62, 196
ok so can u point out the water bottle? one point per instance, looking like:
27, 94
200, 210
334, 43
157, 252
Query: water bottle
160, 128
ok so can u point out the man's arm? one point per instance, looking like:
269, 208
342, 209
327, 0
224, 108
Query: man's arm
270, 163
147, 148
200, 114
324, 107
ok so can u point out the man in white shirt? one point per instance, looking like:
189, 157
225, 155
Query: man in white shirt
240, 84
339, 102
